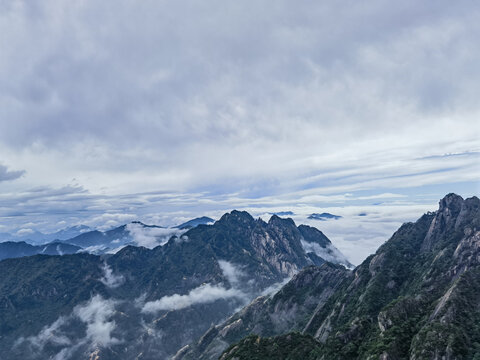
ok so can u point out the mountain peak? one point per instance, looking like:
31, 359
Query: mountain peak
236, 216
451, 202
453, 214
204, 220
277, 220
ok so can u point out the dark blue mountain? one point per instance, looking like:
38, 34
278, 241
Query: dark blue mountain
12, 249
324, 216
204, 220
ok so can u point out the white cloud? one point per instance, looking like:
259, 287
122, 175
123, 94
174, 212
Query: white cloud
49, 334
329, 253
106, 221
110, 279
151, 237
201, 295
23, 232
232, 272
274, 288
97, 314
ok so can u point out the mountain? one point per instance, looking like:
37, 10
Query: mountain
67, 233
146, 303
36, 237
417, 297
134, 233
289, 309
204, 220
324, 216
15, 249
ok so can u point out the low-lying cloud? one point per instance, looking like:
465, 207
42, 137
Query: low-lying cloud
96, 314
151, 237
110, 279
329, 253
201, 295
231, 272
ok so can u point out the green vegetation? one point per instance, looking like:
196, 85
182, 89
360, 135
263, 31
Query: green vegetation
419, 295
293, 346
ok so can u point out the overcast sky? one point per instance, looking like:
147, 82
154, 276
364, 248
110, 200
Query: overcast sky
112, 111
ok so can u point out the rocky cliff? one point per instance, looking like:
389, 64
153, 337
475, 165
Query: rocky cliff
417, 297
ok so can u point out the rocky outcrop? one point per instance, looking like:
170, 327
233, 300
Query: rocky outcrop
417, 297
288, 310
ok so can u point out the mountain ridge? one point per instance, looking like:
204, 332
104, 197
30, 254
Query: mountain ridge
151, 301
416, 297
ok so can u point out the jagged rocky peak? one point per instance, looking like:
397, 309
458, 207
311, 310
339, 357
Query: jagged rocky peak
416, 297
312, 234
454, 214
277, 220
236, 217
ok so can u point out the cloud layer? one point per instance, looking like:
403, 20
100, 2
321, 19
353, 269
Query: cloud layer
120, 111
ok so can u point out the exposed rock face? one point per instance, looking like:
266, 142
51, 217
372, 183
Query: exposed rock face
288, 310
417, 297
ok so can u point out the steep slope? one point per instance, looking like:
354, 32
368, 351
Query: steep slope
417, 297
287, 310
11, 249
392, 305
293, 346
143, 302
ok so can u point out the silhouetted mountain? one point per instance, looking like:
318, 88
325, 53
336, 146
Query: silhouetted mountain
417, 297
204, 220
67, 233
15, 249
101, 241
324, 216
34, 237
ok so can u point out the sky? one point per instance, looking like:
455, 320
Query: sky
113, 111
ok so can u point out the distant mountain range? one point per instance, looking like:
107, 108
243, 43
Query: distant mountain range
37, 238
324, 216
14, 249
148, 303
83, 238
417, 297
204, 220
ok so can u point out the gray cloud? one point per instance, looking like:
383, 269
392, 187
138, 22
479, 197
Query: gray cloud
163, 111
6, 175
